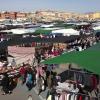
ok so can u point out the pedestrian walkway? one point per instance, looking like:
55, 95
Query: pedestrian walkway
42, 94
21, 93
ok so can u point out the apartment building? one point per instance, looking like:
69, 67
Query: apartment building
8, 15
93, 16
12, 15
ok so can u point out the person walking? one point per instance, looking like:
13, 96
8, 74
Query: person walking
13, 83
50, 81
13, 63
5, 84
29, 81
22, 72
40, 84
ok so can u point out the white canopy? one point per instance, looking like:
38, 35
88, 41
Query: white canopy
47, 26
22, 31
82, 23
66, 32
96, 28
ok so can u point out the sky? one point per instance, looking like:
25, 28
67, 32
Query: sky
80, 6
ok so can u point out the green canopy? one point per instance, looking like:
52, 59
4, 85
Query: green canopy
88, 59
42, 31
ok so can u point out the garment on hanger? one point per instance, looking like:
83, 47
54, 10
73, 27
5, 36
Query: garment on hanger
80, 97
68, 96
94, 82
72, 97
56, 97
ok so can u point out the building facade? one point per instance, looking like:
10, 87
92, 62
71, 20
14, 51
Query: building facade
12, 15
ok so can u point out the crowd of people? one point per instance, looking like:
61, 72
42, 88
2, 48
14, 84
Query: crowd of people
79, 44
84, 42
8, 84
30, 76
43, 76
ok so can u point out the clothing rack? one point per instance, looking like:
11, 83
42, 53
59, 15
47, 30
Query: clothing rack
84, 95
81, 72
81, 94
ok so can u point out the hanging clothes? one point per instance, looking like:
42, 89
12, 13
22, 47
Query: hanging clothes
56, 97
63, 96
87, 98
72, 97
60, 97
76, 97
80, 98
87, 79
94, 82
68, 96
78, 77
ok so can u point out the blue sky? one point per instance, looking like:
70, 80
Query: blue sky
81, 6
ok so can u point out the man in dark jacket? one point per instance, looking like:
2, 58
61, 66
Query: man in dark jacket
5, 83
